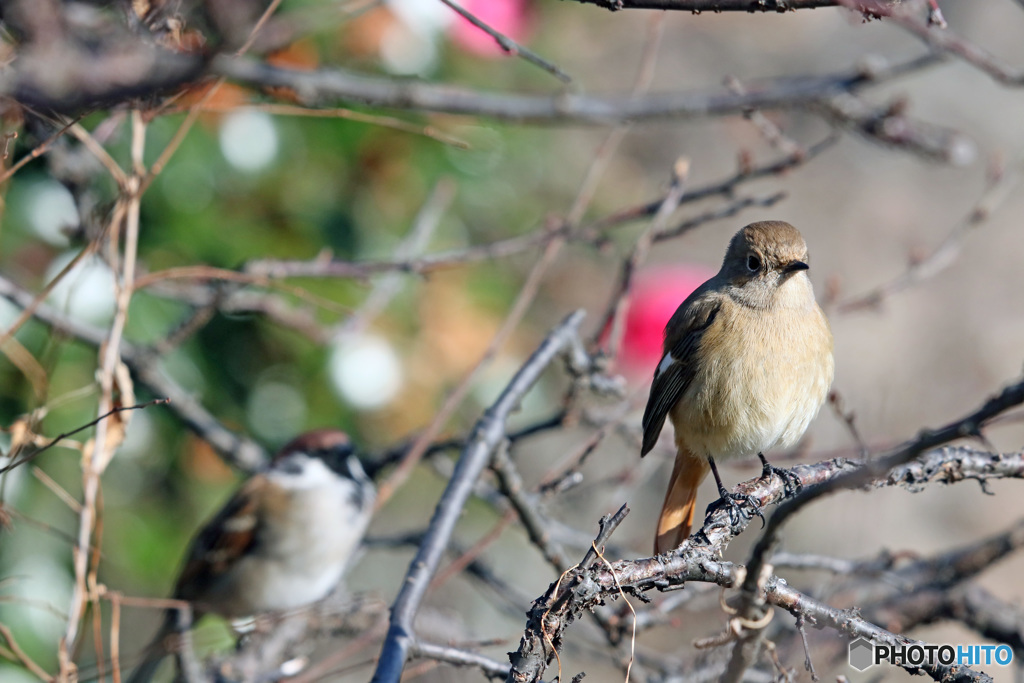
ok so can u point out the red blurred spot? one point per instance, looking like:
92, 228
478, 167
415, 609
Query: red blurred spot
508, 17
657, 293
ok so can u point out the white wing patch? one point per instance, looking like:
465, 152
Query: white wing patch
663, 365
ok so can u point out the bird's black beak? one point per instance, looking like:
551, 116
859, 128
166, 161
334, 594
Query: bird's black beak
795, 267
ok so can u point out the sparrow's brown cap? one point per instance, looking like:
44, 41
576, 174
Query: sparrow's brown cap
316, 440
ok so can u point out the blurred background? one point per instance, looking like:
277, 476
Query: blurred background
249, 183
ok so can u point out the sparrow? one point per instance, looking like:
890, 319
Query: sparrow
283, 541
747, 364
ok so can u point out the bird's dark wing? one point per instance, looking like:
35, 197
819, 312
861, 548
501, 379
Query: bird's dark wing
677, 368
232, 533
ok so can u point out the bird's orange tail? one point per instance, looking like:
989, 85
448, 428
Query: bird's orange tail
680, 501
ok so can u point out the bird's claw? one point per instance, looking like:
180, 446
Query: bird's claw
737, 513
791, 483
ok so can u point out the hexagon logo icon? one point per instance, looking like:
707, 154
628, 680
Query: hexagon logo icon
861, 654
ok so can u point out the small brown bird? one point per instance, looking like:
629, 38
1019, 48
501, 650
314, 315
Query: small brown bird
283, 541
747, 364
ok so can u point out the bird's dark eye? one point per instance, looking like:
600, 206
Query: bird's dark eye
753, 263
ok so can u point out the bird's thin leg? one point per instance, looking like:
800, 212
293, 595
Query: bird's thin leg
790, 482
732, 500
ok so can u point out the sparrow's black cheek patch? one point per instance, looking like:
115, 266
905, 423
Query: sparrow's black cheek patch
335, 458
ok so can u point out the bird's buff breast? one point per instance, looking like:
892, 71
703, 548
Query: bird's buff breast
759, 389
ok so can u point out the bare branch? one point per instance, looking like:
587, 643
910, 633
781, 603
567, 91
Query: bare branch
240, 452
999, 190
955, 463
781, 594
508, 45
989, 616
890, 126
941, 40
106, 441
614, 319
323, 86
60, 437
18, 655
698, 6
967, 426
451, 655
525, 504
933, 588
423, 227
488, 432
724, 187
697, 560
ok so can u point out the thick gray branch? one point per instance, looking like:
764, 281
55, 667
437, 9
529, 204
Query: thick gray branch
487, 434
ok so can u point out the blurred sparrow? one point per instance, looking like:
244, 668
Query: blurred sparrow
282, 542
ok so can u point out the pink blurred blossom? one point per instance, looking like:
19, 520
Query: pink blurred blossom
508, 17
657, 292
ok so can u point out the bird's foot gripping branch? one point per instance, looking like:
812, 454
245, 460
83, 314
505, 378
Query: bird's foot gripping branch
593, 583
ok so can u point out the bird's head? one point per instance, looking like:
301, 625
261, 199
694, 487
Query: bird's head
761, 259
310, 452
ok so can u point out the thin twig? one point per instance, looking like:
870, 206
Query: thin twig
941, 40
193, 114
1003, 186
614, 319
510, 483
38, 150
463, 658
890, 126
20, 655
519, 306
392, 122
622, 594
101, 154
115, 636
808, 664
29, 307
423, 227
56, 489
238, 451
57, 439
835, 401
510, 46
96, 462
